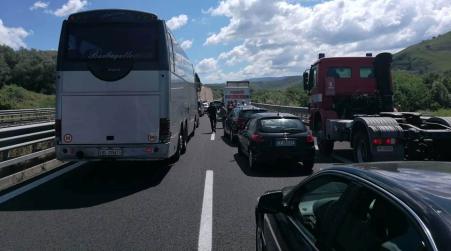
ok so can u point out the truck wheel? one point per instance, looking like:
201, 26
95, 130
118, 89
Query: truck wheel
362, 151
326, 147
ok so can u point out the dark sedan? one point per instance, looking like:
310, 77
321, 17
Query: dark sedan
370, 206
237, 119
274, 136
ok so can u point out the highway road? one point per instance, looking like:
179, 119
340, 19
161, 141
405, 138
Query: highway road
205, 201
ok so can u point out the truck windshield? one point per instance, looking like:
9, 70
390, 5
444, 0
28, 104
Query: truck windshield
339, 72
278, 125
112, 41
366, 72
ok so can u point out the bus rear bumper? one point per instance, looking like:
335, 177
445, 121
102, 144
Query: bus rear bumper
117, 152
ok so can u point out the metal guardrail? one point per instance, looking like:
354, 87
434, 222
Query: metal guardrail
12, 117
22, 142
302, 112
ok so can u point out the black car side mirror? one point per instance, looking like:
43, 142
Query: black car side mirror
270, 202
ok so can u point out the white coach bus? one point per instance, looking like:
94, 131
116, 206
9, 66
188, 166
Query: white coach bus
125, 88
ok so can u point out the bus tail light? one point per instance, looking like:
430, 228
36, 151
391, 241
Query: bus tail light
58, 129
165, 130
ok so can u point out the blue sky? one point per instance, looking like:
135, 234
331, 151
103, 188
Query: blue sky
238, 39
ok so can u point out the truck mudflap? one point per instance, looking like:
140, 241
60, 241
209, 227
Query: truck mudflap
384, 137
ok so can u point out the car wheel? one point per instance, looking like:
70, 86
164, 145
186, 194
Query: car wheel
231, 137
308, 165
252, 161
240, 149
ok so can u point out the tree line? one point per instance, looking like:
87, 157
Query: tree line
31, 69
34, 70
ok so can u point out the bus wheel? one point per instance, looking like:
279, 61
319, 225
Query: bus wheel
184, 142
174, 158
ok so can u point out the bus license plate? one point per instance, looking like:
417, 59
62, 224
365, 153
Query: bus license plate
285, 142
384, 148
110, 152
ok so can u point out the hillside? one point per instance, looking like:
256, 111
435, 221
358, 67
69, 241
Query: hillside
429, 56
15, 97
275, 82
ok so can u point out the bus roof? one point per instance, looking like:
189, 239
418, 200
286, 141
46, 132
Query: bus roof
111, 16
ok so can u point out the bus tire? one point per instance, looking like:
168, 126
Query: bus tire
174, 158
184, 141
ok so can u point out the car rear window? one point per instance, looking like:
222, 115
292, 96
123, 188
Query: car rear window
282, 125
248, 113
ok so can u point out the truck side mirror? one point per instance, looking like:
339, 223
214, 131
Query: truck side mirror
305, 81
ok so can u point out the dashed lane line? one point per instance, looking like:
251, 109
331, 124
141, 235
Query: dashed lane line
206, 219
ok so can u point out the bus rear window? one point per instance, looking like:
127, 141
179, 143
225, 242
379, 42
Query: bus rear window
112, 41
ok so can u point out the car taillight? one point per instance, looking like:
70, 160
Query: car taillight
165, 132
58, 129
310, 138
257, 138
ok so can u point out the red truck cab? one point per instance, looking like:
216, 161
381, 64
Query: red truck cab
342, 87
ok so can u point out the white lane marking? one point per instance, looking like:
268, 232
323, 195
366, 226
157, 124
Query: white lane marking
38, 182
206, 219
339, 158
212, 136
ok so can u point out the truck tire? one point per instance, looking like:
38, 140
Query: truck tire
362, 151
326, 147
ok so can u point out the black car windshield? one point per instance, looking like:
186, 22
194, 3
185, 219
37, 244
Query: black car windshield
106, 41
248, 113
282, 125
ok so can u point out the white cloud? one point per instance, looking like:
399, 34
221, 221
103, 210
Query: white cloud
12, 37
282, 37
176, 22
71, 6
39, 5
207, 65
186, 44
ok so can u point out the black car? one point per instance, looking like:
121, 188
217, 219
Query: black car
370, 206
237, 119
276, 136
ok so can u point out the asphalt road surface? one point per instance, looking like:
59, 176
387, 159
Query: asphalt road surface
205, 201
